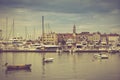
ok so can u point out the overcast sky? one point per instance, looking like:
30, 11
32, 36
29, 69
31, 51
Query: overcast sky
61, 15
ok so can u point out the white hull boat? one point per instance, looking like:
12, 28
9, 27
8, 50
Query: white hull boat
101, 56
48, 59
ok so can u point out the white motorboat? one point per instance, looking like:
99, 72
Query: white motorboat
101, 56
48, 59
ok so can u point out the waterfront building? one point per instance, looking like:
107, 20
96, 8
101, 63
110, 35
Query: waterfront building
104, 39
64, 37
82, 37
113, 38
66, 40
90, 39
70, 41
50, 38
96, 38
103, 42
78, 39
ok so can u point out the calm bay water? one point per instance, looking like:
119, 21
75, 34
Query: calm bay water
82, 66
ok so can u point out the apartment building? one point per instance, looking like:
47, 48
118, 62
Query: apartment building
50, 38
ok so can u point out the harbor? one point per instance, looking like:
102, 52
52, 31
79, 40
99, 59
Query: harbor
60, 42
59, 39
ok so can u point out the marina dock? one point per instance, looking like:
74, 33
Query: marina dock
68, 51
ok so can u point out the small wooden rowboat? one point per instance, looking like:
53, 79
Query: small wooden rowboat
19, 67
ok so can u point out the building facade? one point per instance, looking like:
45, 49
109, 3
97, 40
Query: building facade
50, 38
113, 38
104, 39
96, 38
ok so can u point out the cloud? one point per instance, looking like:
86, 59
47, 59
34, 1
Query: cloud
64, 6
61, 15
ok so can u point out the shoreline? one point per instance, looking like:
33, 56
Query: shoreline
77, 51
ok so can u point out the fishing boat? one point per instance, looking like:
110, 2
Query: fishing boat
18, 67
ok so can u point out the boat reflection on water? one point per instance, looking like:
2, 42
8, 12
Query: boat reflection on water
14, 71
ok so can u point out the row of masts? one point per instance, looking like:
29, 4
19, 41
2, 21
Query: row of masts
25, 66
12, 33
7, 36
8, 32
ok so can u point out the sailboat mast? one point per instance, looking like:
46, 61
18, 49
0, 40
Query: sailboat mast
6, 27
34, 36
13, 29
25, 32
43, 29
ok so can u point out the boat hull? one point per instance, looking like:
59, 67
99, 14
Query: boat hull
48, 60
19, 67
